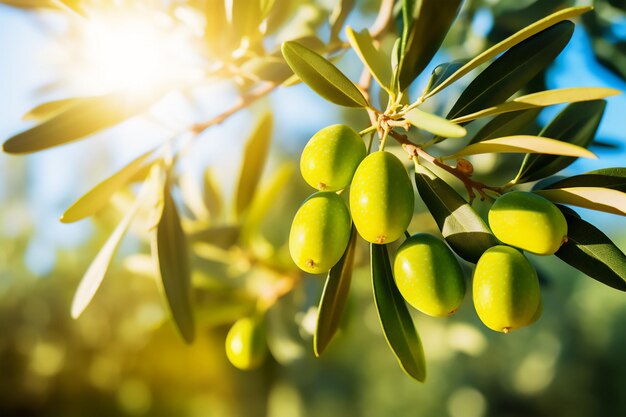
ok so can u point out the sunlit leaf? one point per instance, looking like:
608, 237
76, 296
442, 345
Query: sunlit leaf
434, 124
376, 61
339, 15
85, 117
254, 157
212, 195
334, 298
576, 124
600, 199
614, 178
589, 250
464, 230
49, 109
511, 41
512, 70
394, 316
509, 124
98, 197
542, 99
524, 144
441, 73
170, 249
322, 76
426, 24
245, 17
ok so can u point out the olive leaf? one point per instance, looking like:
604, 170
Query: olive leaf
441, 73
542, 99
338, 16
594, 198
425, 25
512, 70
508, 124
463, 229
524, 144
434, 124
613, 178
212, 195
590, 251
376, 61
394, 316
49, 109
254, 157
170, 250
85, 117
98, 197
334, 298
576, 124
509, 42
322, 76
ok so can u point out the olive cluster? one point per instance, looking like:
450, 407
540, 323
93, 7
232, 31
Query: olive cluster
506, 290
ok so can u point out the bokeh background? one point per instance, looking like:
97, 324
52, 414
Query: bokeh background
123, 357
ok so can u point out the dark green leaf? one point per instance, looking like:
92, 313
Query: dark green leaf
614, 178
85, 117
513, 70
334, 298
254, 157
322, 76
173, 265
516, 123
394, 316
441, 73
464, 230
590, 251
426, 24
576, 124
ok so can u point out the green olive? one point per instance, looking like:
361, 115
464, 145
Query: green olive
320, 232
506, 289
245, 343
381, 198
529, 222
331, 156
428, 275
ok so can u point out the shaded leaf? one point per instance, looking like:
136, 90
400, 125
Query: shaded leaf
463, 228
542, 99
576, 124
98, 197
338, 16
509, 124
322, 76
426, 24
85, 117
434, 124
441, 73
513, 70
334, 298
614, 178
254, 157
170, 248
524, 144
192, 196
394, 316
590, 251
511, 41
376, 61
600, 199
212, 195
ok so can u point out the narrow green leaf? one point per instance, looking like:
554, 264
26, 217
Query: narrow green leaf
435, 124
600, 199
394, 316
524, 144
192, 196
613, 178
376, 61
513, 70
542, 99
98, 197
508, 124
254, 157
463, 228
170, 248
49, 109
334, 298
511, 41
338, 16
576, 124
426, 24
590, 251
322, 76
441, 73
212, 195
85, 117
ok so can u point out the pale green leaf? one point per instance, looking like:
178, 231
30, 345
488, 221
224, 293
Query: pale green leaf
435, 124
49, 109
212, 195
509, 124
594, 198
375, 60
524, 144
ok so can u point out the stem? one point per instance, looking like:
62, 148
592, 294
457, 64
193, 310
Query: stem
368, 130
383, 140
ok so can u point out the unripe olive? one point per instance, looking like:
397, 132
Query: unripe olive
381, 198
428, 275
528, 221
246, 347
331, 156
506, 289
320, 232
